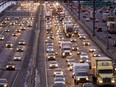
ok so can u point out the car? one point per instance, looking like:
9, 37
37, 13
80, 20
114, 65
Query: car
59, 76
86, 42
84, 16
9, 44
12, 23
53, 51
82, 36
20, 49
83, 54
48, 40
18, 30
83, 57
1, 37
59, 80
73, 39
4, 22
3, 82
99, 29
114, 43
68, 58
92, 49
22, 28
79, 51
17, 58
50, 48
71, 66
59, 85
53, 64
22, 42
75, 48
96, 54
7, 18
58, 71
88, 85
76, 31
70, 62
7, 30
50, 36
14, 34
10, 66
96, 20
87, 19
21, 24
51, 56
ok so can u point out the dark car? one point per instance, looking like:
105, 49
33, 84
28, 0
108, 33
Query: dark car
99, 29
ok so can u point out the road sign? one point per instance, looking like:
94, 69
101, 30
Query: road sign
100, 3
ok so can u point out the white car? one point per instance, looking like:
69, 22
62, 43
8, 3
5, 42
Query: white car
53, 64
22, 42
59, 80
58, 71
1, 37
83, 54
82, 36
92, 49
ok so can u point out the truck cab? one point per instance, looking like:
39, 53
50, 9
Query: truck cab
81, 72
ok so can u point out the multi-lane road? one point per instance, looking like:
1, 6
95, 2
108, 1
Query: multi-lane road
27, 24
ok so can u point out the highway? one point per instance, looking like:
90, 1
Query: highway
22, 28
27, 28
47, 78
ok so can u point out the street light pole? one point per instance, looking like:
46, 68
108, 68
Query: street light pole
94, 17
79, 5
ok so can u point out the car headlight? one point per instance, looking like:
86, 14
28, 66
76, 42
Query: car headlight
13, 66
81, 60
78, 78
113, 80
56, 64
50, 65
7, 66
100, 81
63, 54
87, 78
70, 53
5, 85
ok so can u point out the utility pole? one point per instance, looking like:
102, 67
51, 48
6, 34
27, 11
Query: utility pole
94, 17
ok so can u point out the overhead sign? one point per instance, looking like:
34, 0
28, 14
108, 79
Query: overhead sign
100, 3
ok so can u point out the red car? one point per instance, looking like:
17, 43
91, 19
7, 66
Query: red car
99, 29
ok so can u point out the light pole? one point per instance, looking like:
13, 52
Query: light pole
79, 9
108, 36
93, 17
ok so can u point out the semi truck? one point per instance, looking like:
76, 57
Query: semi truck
69, 29
81, 72
47, 15
109, 20
66, 48
102, 68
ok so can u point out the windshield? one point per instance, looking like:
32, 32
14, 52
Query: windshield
82, 74
66, 48
69, 30
105, 71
